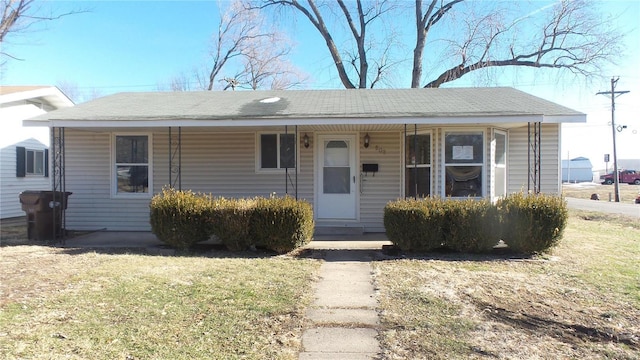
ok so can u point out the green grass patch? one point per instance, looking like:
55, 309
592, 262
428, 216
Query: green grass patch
144, 307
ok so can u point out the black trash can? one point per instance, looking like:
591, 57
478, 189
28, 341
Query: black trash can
41, 210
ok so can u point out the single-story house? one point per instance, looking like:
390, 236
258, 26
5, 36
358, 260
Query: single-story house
348, 152
577, 170
24, 151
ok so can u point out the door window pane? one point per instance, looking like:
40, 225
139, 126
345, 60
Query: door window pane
336, 153
336, 180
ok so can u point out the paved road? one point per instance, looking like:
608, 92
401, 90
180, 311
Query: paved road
629, 209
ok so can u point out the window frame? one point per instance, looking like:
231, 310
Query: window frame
495, 165
114, 167
278, 169
408, 166
26, 162
483, 164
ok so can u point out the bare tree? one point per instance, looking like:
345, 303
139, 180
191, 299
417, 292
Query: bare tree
358, 19
18, 16
245, 53
237, 26
567, 35
572, 38
266, 64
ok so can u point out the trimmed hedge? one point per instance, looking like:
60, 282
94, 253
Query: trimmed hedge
416, 225
183, 218
532, 223
472, 226
230, 221
281, 224
527, 223
180, 218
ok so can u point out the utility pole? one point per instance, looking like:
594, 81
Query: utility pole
614, 94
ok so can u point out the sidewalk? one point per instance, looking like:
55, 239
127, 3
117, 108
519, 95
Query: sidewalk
343, 316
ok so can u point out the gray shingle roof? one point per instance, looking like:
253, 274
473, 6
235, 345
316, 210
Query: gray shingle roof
308, 104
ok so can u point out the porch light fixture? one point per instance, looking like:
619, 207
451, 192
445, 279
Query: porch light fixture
367, 139
305, 141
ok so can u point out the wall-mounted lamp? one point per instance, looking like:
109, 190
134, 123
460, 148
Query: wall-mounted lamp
305, 141
367, 139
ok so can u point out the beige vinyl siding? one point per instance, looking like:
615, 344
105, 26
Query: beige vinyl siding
218, 163
11, 186
88, 177
517, 159
386, 185
223, 164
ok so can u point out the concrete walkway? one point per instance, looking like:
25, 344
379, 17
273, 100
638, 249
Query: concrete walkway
343, 316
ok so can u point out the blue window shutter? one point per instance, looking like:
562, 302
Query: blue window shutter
46, 162
21, 157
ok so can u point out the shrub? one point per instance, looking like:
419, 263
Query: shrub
282, 224
180, 218
471, 225
230, 221
415, 225
532, 223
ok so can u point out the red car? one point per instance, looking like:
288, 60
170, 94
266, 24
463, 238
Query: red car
631, 177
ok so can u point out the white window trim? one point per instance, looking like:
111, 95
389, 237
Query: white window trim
113, 173
485, 162
26, 161
410, 166
258, 148
495, 165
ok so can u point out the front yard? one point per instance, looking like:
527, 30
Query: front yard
581, 301
72, 304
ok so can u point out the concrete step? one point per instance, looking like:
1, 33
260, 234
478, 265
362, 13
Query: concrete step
322, 230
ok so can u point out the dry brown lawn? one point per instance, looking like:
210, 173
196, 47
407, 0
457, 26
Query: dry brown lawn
582, 301
628, 193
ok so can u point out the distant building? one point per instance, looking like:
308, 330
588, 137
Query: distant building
577, 170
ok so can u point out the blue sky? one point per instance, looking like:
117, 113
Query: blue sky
137, 46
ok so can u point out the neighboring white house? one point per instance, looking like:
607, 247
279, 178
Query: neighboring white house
577, 170
348, 152
23, 151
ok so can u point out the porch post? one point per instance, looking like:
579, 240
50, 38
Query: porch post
58, 184
533, 157
295, 158
286, 167
415, 162
175, 148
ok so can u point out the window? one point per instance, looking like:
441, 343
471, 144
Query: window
131, 164
500, 163
417, 165
464, 159
277, 151
31, 162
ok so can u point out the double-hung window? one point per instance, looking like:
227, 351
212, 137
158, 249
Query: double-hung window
464, 161
132, 164
277, 151
418, 165
30, 162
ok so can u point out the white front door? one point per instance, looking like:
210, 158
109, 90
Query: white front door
336, 177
